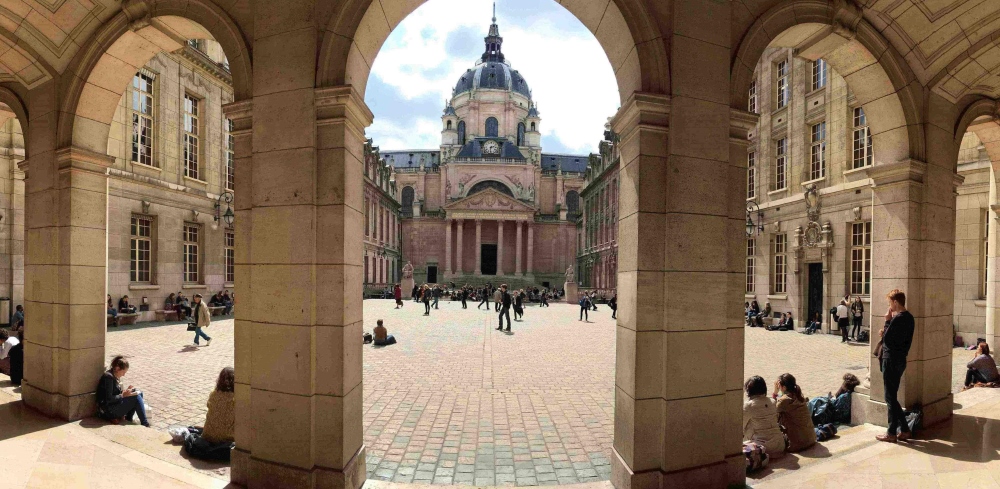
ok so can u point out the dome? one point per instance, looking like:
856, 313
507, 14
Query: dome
492, 75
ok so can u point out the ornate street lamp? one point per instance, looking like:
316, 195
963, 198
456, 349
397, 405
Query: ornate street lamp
754, 228
227, 217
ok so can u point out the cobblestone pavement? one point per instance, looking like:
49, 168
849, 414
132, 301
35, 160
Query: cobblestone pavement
456, 402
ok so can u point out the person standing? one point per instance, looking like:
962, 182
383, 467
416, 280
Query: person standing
497, 297
843, 320
202, 319
857, 314
545, 298
425, 297
504, 302
613, 304
436, 294
462, 294
584, 307
397, 293
897, 336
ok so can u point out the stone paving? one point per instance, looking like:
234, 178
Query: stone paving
456, 402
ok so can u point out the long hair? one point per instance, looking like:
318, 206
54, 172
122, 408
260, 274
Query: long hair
850, 382
227, 380
792, 389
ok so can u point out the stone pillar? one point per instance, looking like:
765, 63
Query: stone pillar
517, 253
479, 247
447, 247
66, 279
458, 265
531, 247
992, 274
500, 247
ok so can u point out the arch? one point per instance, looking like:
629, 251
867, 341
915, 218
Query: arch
877, 74
532, 127
461, 133
520, 134
122, 45
407, 201
624, 28
492, 127
16, 104
449, 125
493, 184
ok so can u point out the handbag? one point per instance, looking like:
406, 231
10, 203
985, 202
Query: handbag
192, 327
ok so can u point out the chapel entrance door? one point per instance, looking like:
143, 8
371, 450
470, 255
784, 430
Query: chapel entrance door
432, 274
815, 299
488, 254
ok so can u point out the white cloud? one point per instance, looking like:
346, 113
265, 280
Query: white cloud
388, 134
566, 68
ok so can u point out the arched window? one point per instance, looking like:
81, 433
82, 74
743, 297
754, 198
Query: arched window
532, 127
492, 127
572, 205
408, 201
493, 184
449, 125
520, 134
461, 133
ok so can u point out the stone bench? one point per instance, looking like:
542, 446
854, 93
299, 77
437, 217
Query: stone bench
126, 319
216, 310
166, 315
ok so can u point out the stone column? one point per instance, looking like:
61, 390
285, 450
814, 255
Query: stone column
992, 262
458, 265
66, 276
531, 247
500, 247
479, 247
517, 253
447, 247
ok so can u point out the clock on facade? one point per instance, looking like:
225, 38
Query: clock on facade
491, 148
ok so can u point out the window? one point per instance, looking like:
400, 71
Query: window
461, 133
492, 127
861, 258
781, 83
751, 263
572, 205
817, 152
407, 201
142, 118
191, 253
532, 127
862, 139
449, 125
752, 103
780, 264
140, 249
230, 257
984, 256
780, 171
818, 74
520, 134
230, 156
751, 175
191, 137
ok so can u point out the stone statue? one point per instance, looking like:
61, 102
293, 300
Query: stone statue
570, 276
408, 270
461, 188
531, 192
447, 189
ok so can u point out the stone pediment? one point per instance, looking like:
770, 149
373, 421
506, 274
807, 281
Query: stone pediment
489, 200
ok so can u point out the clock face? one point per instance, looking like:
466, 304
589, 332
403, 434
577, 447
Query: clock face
491, 148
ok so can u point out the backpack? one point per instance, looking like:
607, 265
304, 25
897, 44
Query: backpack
756, 456
368, 338
863, 337
820, 410
833, 310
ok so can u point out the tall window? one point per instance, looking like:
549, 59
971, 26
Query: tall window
191, 253
780, 169
230, 257
752, 103
140, 247
230, 156
818, 74
817, 152
520, 134
780, 264
142, 119
986, 249
461, 133
751, 175
191, 137
862, 139
751, 263
781, 83
861, 258
492, 127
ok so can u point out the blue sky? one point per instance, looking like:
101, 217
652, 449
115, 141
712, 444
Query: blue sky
570, 76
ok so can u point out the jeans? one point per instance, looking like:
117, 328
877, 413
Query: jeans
128, 407
389, 340
505, 311
436, 302
812, 327
486, 300
198, 333
113, 313
856, 330
228, 309
972, 376
892, 374
583, 313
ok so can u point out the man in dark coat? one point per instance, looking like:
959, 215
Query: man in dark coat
897, 336
505, 301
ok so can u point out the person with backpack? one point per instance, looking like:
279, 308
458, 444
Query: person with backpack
505, 301
584, 307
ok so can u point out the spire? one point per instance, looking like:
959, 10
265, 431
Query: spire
493, 41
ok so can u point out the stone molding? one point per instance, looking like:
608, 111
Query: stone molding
901, 171
343, 103
741, 122
79, 159
642, 110
241, 113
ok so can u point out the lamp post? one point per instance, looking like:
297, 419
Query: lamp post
226, 216
754, 228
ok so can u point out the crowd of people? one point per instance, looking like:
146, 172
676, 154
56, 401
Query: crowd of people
848, 314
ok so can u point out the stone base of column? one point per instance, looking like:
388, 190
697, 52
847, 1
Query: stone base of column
406, 288
70, 408
253, 473
730, 472
572, 293
865, 410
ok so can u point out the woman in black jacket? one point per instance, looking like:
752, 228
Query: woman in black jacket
115, 403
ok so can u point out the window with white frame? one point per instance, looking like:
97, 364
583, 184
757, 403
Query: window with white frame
781, 84
984, 255
817, 152
191, 137
751, 175
140, 249
862, 140
142, 118
230, 257
230, 156
192, 256
818, 74
780, 164
752, 102
780, 271
861, 258
751, 264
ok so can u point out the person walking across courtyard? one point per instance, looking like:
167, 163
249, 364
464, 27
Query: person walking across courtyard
397, 293
843, 320
613, 304
897, 336
497, 297
436, 295
484, 298
504, 302
202, 319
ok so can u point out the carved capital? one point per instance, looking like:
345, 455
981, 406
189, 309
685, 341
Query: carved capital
138, 14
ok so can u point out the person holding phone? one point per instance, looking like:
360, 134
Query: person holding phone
115, 403
897, 337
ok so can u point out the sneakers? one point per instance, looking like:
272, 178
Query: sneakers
208, 343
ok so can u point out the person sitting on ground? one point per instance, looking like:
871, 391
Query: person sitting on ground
793, 414
813, 325
16, 357
215, 441
760, 418
382, 336
982, 368
115, 403
763, 315
124, 307
17, 319
779, 326
7, 342
789, 323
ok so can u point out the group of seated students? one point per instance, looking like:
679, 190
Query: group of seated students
982, 369
786, 323
117, 403
222, 299
124, 307
754, 315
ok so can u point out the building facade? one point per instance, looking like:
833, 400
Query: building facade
382, 220
597, 226
489, 203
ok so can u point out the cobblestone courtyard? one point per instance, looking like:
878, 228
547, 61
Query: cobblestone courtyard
456, 402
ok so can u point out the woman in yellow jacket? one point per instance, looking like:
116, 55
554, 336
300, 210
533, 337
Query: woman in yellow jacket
202, 319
